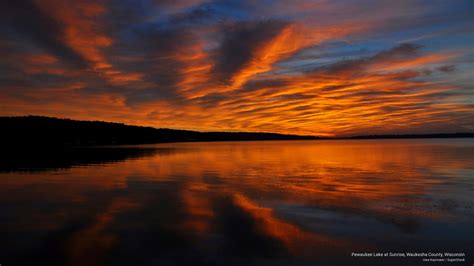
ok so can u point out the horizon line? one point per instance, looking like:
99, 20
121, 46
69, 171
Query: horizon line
368, 136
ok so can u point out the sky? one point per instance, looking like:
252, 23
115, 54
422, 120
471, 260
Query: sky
320, 67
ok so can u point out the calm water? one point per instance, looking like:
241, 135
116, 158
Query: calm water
239, 203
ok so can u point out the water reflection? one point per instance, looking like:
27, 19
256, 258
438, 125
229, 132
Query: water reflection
41, 159
242, 203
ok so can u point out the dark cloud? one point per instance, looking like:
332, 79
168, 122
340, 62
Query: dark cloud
156, 55
295, 96
302, 108
447, 68
161, 63
212, 99
356, 66
333, 88
126, 14
202, 14
253, 85
402, 51
175, 3
349, 67
24, 17
240, 44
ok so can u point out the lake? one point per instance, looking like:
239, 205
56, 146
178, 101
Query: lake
240, 203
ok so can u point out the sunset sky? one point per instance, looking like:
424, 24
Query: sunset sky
321, 67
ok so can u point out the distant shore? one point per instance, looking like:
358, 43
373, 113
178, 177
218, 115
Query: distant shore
25, 131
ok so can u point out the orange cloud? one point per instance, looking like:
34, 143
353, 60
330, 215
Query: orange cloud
84, 33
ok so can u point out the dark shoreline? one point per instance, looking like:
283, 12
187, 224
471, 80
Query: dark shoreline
22, 132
